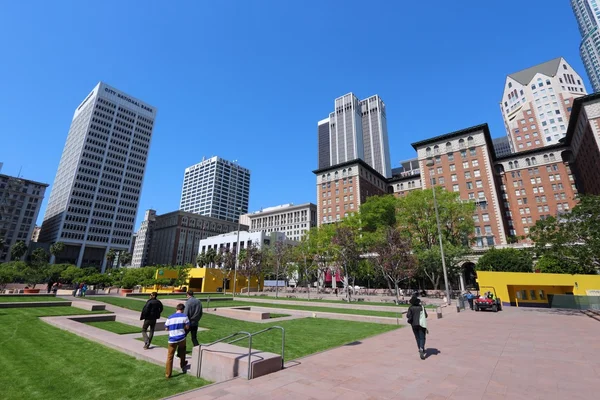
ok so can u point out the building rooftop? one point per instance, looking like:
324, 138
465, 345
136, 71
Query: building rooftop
548, 68
482, 127
24, 180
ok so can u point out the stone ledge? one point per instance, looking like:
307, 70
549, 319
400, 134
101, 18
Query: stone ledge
32, 304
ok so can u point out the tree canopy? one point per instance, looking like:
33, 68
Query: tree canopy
506, 260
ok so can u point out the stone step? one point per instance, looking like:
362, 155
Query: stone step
86, 305
222, 361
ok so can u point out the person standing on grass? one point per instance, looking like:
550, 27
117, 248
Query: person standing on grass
150, 313
193, 309
178, 325
417, 318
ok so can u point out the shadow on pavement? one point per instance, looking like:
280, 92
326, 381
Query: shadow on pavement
431, 352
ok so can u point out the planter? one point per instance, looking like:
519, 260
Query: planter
31, 291
126, 291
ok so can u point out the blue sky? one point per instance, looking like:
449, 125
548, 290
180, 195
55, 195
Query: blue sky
248, 80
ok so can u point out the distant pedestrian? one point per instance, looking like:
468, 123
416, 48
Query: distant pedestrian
178, 325
54, 288
470, 299
150, 313
417, 317
84, 288
75, 288
193, 309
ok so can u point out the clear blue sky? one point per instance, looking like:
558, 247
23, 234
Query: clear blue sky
248, 80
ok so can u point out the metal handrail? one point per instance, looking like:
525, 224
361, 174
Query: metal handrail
199, 364
246, 335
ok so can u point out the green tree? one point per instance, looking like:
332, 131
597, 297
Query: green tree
347, 251
394, 258
36, 270
321, 249
10, 272
125, 258
250, 259
18, 250
506, 260
54, 272
377, 212
111, 256
281, 254
550, 265
573, 239
56, 249
417, 220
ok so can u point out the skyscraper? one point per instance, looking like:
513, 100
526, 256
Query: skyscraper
357, 130
96, 192
587, 14
536, 104
216, 188
323, 143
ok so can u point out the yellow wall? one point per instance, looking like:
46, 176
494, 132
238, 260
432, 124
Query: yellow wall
211, 279
508, 285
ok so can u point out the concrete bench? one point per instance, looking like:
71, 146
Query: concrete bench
221, 362
244, 313
84, 305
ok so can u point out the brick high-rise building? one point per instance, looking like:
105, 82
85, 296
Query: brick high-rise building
536, 104
464, 163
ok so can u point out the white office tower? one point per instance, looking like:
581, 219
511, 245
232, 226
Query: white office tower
587, 14
96, 192
216, 188
357, 129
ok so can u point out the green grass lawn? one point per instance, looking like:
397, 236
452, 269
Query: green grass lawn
176, 295
303, 336
115, 327
25, 298
39, 361
273, 315
124, 302
302, 297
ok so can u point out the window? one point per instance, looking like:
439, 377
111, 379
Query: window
469, 185
479, 184
468, 174
465, 164
450, 156
485, 217
475, 163
455, 188
477, 173
453, 178
473, 151
452, 167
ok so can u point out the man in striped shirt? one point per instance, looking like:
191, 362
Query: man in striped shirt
177, 324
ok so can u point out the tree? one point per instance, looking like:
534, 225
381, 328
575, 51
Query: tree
125, 258
56, 249
377, 212
250, 258
10, 271
572, 240
321, 250
394, 257
18, 250
416, 219
347, 251
550, 265
36, 270
54, 272
281, 255
111, 255
305, 257
506, 260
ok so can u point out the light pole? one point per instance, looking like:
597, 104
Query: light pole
237, 254
430, 163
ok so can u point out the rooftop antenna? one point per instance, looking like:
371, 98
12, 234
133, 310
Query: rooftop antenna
19, 175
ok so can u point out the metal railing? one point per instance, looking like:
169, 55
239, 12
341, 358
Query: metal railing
249, 336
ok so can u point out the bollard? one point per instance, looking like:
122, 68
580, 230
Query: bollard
439, 312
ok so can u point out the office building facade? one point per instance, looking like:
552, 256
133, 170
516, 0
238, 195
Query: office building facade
587, 14
96, 192
357, 130
20, 202
536, 104
292, 220
216, 188
143, 240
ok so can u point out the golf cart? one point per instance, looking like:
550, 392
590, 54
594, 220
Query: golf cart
487, 301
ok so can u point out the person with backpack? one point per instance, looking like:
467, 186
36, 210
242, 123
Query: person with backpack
417, 318
150, 313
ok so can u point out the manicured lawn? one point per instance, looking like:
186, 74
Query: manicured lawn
115, 327
273, 315
25, 298
302, 336
302, 297
39, 361
176, 295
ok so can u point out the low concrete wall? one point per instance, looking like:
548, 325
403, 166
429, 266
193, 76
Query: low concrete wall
26, 295
244, 313
35, 304
222, 361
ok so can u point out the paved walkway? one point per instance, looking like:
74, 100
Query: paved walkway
514, 354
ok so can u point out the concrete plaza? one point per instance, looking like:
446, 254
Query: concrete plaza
514, 354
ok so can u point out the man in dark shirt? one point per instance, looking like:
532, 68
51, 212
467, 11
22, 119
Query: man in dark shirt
193, 309
150, 313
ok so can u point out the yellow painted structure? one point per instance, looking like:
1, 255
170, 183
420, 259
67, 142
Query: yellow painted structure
532, 289
207, 280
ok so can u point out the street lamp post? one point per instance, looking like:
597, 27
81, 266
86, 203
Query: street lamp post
237, 255
430, 163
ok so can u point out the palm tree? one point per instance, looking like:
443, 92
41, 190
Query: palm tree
18, 250
110, 258
125, 258
56, 249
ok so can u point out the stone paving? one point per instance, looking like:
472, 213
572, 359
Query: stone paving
513, 354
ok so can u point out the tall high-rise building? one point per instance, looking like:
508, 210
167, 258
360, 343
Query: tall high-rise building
96, 192
324, 156
587, 13
536, 104
20, 202
357, 130
216, 188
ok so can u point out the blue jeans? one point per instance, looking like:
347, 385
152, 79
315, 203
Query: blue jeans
420, 334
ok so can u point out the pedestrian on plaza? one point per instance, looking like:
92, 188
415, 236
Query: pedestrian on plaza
178, 325
75, 288
150, 313
417, 318
193, 309
54, 288
470, 298
84, 288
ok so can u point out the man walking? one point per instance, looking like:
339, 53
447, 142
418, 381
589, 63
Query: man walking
178, 325
150, 313
193, 309
470, 299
